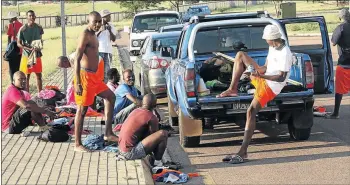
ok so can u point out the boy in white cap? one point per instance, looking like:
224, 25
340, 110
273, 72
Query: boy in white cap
268, 81
106, 35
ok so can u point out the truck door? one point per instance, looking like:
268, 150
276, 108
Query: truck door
309, 35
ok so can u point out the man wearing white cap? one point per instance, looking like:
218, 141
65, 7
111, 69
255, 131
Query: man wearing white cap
268, 81
106, 36
12, 31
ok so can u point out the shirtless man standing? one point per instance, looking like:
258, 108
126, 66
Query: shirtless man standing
88, 81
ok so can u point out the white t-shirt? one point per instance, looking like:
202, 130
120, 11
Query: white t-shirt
104, 40
278, 60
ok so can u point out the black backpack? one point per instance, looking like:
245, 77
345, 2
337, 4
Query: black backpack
12, 50
57, 133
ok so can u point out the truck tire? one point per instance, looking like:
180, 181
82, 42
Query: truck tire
174, 121
299, 134
190, 142
187, 141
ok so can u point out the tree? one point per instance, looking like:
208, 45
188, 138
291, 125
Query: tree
277, 4
176, 4
135, 5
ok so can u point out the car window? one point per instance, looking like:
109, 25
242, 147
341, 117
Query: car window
224, 39
153, 22
164, 42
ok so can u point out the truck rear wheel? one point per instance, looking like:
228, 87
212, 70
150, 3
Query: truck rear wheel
187, 141
299, 134
174, 121
295, 125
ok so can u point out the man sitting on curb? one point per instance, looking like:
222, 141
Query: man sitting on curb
17, 112
140, 134
127, 99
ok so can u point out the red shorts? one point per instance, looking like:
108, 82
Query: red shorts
37, 68
92, 83
342, 80
263, 92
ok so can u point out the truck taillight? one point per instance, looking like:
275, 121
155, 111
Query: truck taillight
156, 63
309, 70
189, 82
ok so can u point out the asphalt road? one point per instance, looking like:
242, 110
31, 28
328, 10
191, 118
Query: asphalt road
273, 157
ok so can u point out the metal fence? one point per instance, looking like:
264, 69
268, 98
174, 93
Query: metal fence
215, 5
72, 20
81, 19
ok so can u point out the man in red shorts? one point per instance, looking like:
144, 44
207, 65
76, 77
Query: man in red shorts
88, 81
268, 81
341, 37
27, 34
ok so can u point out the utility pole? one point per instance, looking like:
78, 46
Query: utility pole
18, 13
93, 5
63, 26
246, 3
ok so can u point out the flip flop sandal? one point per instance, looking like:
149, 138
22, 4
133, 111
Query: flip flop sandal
329, 116
172, 165
227, 158
236, 159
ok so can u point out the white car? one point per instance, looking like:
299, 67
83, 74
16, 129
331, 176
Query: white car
147, 23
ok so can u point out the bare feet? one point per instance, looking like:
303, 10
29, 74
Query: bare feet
111, 137
227, 93
81, 148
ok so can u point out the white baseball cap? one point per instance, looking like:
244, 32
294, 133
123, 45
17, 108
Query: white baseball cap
271, 32
12, 14
104, 13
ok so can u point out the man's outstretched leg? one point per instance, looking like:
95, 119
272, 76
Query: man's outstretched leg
241, 61
79, 121
109, 99
248, 133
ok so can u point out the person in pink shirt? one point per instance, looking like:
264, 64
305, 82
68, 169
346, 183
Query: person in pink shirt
18, 112
12, 31
113, 79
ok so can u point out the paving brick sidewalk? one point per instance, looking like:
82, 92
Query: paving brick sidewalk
26, 160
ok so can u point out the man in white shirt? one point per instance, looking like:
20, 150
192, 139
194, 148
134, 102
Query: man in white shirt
106, 36
268, 81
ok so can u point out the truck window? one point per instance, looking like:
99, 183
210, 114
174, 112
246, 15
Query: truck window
164, 42
312, 40
153, 22
223, 39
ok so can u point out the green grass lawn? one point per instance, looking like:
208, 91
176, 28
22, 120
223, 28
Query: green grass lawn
302, 8
53, 48
70, 8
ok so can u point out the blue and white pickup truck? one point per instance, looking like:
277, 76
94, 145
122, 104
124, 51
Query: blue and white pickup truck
203, 36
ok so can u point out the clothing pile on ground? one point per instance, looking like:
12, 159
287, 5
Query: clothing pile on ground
167, 175
96, 142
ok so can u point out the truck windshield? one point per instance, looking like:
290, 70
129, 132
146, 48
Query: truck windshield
153, 22
224, 39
